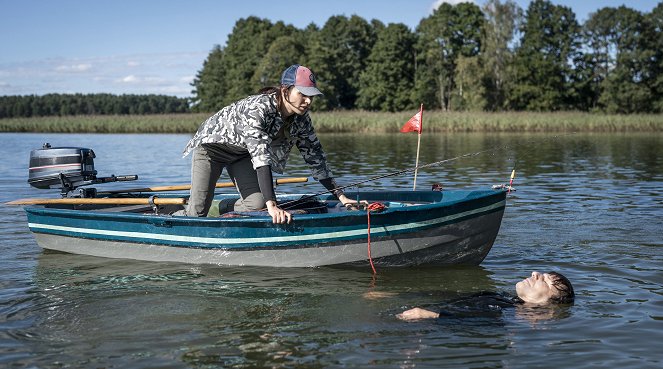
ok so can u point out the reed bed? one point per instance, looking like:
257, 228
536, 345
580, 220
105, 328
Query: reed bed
355, 122
158, 123
439, 121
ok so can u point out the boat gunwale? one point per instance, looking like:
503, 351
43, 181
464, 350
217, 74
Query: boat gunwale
175, 220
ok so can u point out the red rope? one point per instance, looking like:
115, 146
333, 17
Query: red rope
376, 206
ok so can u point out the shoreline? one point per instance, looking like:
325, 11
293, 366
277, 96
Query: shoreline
354, 122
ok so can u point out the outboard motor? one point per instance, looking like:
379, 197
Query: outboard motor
67, 168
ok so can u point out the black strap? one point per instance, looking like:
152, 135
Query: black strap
266, 182
330, 184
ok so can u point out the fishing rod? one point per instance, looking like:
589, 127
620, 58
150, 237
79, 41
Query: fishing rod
292, 203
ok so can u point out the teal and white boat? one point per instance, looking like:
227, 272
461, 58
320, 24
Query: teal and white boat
415, 227
411, 228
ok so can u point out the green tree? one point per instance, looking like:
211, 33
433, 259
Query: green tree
88, 104
543, 63
338, 54
305, 38
451, 31
656, 21
469, 80
248, 42
387, 81
601, 43
228, 73
502, 22
210, 84
631, 72
284, 51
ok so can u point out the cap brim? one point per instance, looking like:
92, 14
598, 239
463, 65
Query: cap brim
308, 91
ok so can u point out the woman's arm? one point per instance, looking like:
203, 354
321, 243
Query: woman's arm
266, 183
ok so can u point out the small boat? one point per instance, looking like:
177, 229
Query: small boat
410, 228
415, 227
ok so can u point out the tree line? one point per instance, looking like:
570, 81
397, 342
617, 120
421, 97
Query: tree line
498, 57
462, 57
89, 104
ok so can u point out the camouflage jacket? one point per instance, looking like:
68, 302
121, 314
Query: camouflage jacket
255, 124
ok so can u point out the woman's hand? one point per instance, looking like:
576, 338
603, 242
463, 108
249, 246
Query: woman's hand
345, 200
279, 216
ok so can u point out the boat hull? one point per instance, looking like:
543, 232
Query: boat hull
457, 227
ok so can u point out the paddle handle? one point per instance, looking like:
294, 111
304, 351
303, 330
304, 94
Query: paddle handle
136, 201
291, 180
100, 201
188, 187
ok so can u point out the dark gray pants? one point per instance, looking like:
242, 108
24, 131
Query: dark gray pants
207, 165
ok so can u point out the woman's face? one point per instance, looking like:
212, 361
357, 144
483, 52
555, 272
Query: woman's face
537, 289
296, 102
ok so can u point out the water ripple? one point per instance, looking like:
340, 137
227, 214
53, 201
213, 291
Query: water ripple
587, 205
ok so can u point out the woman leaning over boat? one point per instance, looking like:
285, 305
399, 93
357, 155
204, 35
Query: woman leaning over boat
253, 137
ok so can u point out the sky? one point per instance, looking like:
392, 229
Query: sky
158, 46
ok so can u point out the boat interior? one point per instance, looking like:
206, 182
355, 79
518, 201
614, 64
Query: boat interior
309, 205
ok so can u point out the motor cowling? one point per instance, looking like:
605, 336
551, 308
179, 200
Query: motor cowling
67, 168
50, 166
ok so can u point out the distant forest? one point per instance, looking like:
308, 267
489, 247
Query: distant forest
462, 57
89, 104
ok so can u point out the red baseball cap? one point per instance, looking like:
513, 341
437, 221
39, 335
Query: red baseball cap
302, 78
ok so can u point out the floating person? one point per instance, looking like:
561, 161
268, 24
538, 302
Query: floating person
252, 137
537, 290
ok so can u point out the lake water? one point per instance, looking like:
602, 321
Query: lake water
587, 205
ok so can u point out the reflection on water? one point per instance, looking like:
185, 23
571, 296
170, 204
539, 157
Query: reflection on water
587, 205
224, 315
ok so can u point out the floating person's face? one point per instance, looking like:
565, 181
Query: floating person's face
537, 289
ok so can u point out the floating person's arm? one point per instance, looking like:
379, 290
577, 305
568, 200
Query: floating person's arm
417, 313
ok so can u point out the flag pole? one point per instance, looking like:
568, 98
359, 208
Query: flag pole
416, 163
513, 175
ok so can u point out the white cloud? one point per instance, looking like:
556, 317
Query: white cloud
147, 80
167, 73
74, 68
436, 4
128, 79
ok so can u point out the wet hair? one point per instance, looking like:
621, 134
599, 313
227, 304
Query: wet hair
564, 287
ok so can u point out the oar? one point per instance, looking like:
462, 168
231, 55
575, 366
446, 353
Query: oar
101, 201
136, 201
188, 187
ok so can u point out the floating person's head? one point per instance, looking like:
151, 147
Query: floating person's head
551, 287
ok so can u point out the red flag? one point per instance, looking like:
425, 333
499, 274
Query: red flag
414, 124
